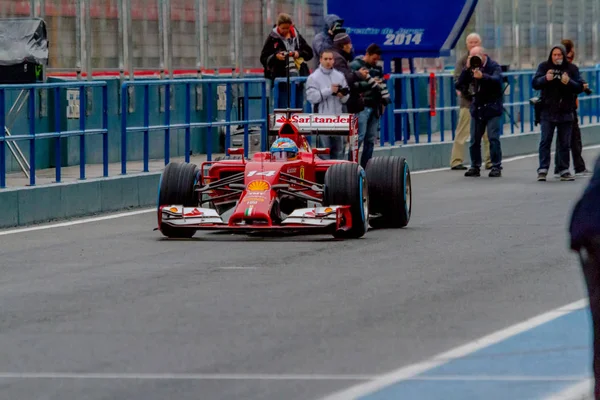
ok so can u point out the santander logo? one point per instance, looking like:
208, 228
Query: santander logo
315, 119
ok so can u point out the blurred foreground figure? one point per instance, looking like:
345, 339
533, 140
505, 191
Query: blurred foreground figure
585, 239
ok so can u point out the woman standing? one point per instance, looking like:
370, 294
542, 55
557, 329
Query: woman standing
285, 39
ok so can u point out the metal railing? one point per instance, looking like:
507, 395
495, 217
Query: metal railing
187, 124
424, 105
57, 134
430, 100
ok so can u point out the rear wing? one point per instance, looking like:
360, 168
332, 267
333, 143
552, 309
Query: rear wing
314, 124
317, 124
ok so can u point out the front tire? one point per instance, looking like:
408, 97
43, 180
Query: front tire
176, 187
390, 191
346, 184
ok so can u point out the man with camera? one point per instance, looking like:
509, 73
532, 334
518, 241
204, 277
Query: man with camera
485, 76
375, 97
576, 145
463, 131
324, 39
560, 83
328, 91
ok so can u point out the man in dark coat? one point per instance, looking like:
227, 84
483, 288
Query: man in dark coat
482, 77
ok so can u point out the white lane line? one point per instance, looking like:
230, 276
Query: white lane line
77, 222
279, 377
410, 371
582, 391
507, 160
148, 210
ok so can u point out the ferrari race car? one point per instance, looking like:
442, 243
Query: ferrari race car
289, 188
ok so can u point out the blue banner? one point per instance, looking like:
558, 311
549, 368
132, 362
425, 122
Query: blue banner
405, 29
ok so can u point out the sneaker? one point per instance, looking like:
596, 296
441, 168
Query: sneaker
495, 173
567, 177
473, 172
542, 177
458, 167
585, 172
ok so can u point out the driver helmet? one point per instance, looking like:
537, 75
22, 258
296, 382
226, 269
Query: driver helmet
284, 149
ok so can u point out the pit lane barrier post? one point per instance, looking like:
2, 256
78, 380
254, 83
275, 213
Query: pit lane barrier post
57, 134
187, 124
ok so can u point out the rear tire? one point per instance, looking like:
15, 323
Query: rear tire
390, 191
176, 187
346, 184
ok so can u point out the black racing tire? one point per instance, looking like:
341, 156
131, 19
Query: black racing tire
390, 191
176, 187
346, 184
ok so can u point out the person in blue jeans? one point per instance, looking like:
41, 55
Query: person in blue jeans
375, 97
560, 83
482, 78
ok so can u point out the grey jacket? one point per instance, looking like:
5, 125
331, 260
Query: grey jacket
318, 90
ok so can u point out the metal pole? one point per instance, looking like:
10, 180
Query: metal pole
161, 44
232, 41
88, 39
121, 37
516, 35
168, 32
595, 38
239, 51
79, 38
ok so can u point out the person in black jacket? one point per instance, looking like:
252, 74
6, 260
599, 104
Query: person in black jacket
342, 57
560, 83
284, 38
584, 231
482, 78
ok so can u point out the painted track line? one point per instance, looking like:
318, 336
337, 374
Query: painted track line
149, 210
584, 390
411, 371
181, 376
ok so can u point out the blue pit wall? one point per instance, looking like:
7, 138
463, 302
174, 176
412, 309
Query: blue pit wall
409, 121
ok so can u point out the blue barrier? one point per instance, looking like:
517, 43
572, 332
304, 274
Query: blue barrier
519, 84
167, 126
82, 132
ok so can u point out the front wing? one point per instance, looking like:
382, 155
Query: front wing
316, 220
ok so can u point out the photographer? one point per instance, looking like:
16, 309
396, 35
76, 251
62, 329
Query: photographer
376, 97
324, 39
486, 109
560, 83
576, 145
284, 40
463, 133
327, 90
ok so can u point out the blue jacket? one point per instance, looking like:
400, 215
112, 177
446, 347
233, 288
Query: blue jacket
585, 220
488, 101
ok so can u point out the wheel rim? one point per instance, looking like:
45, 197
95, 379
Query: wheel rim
365, 201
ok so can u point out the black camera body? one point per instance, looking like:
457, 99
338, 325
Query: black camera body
557, 74
343, 91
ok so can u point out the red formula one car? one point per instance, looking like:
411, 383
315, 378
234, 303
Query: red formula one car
306, 195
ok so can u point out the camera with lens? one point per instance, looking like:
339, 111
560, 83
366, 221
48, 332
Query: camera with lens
588, 91
557, 74
381, 87
337, 27
291, 63
475, 62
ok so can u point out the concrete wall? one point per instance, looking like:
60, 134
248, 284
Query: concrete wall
31, 205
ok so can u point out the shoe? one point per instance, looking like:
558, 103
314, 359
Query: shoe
542, 177
473, 172
567, 177
458, 167
585, 172
495, 173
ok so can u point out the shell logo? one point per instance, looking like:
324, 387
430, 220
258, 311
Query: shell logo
174, 209
258, 186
